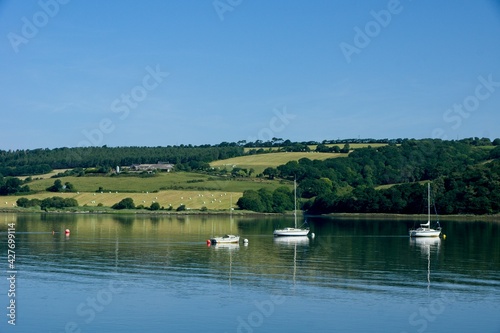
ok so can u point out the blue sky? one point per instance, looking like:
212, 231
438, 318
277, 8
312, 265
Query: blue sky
157, 73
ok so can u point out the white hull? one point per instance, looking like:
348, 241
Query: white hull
421, 232
290, 232
227, 239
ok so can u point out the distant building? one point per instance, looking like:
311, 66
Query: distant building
162, 166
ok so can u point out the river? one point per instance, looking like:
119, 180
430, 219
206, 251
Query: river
121, 273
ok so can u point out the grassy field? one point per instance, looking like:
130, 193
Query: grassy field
191, 189
213, 200
194, 190
261, 161
46, 175
162, 181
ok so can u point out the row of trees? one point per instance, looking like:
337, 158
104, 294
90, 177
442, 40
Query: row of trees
128, 203
47, 203
24, 170
36, 161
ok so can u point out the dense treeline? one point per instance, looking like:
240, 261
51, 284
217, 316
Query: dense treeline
476, 191
185, 157
53, 202
278, 201
279, 142
411, 161
25, 170
465, 178
12, 185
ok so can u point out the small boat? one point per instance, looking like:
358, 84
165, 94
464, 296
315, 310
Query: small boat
226, 239
425, 229
292, 231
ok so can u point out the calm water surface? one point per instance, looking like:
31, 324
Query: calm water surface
156, 274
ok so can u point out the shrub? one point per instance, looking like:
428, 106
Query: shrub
58, 202
127, 203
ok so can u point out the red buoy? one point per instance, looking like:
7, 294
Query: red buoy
66, 231
209, 242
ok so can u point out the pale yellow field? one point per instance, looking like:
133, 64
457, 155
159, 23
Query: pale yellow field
259, 162
45, 175
213, 200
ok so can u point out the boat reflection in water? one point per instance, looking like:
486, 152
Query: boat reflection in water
228, 246
292, 240
289, 241
426, 246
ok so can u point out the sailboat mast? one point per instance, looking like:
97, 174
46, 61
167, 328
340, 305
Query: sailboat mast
429, 202
295, 201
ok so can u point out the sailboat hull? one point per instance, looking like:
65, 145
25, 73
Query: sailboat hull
425, 232
290, 232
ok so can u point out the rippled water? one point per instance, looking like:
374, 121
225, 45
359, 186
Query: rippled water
156, 274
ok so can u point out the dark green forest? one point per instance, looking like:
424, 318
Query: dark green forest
465, 179
39, 161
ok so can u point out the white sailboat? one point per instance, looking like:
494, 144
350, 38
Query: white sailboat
425, 229
292, 231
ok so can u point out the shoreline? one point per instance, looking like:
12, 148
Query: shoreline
357, 216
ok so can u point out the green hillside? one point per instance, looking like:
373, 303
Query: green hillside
366, 178
259, 162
